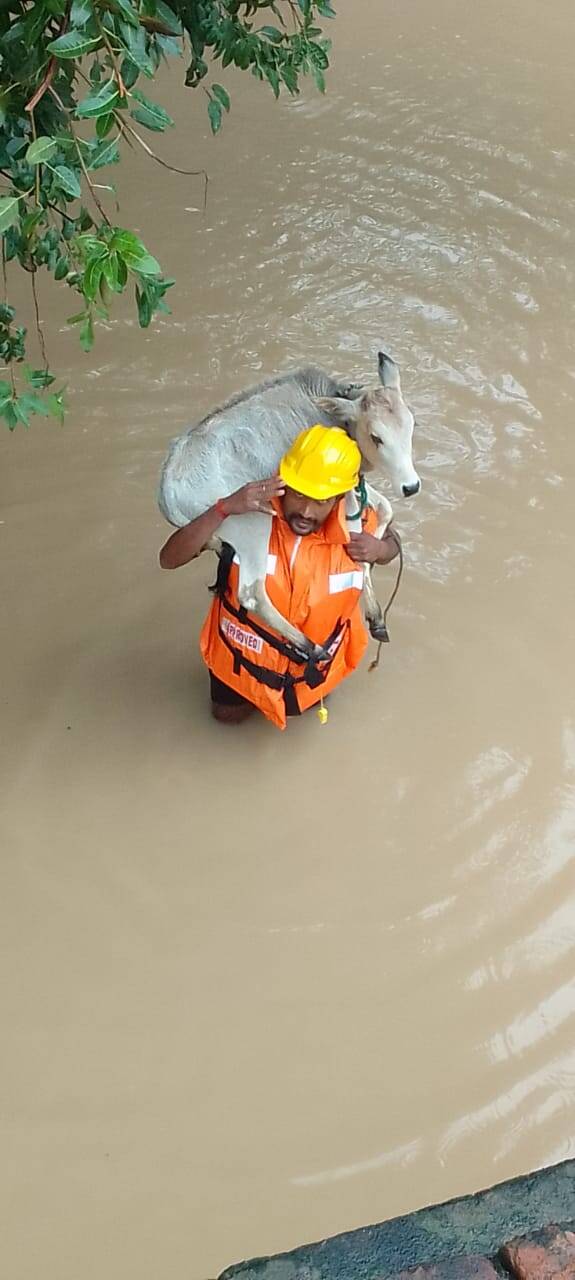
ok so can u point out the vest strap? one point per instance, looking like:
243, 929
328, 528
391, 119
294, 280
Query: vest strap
313, 676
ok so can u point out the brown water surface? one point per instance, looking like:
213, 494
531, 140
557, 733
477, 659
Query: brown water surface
260, 988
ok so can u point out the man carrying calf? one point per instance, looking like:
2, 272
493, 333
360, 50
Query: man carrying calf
314, 577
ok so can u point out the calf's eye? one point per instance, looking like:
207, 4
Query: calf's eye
376, 439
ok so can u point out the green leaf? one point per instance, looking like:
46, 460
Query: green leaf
215, 114
91, 246
5, 393
81, 12
169, 46
122, 274
85, 219
33, 404
272, 34
92, 277
9, 413
40, 150
15, 145
144, 265
20, 411
319, 79
289, 77
136, 47
144, 308
127, 241
30, 221
242, 55
133, 253
167, 17
73, 45
39, 378
100, 103
149, 113
61, 269
222, 96
8, 211
68, 180
80, 315
148, 266
128, 11
107, 152
129, 71
273, 77
111, 274
104, 124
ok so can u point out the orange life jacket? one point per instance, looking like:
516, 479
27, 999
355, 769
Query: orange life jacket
317, 587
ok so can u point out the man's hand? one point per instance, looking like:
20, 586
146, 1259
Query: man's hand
365, 549
254, 497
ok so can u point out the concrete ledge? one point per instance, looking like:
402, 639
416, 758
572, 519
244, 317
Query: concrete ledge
478, 1225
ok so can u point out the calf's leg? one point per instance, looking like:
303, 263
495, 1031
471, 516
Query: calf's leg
373, 609
249, 535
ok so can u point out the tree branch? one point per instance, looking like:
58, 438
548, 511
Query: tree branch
5, 281
95, 198
39, 329
47, 81
187, 173
115, 68
41, 90
127, 129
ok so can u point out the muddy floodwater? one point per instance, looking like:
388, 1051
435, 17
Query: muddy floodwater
258, 987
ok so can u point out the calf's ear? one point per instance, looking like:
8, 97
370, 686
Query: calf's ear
388, 371
343, 413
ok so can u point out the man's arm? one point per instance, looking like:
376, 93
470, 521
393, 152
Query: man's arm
187, 543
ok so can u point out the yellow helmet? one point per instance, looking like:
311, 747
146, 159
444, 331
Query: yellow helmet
321, 463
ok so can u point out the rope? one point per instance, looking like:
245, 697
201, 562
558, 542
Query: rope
391, 532
361, 492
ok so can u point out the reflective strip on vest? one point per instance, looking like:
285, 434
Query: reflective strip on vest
271, 565
346, 581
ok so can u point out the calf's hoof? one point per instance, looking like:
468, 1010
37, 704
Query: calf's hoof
378, 631
305, 650
320, 654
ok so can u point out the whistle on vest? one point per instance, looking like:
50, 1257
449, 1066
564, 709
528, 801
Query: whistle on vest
322, 713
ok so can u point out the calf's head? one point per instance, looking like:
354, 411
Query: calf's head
382, 424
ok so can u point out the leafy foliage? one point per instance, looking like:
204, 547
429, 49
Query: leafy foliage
70, 98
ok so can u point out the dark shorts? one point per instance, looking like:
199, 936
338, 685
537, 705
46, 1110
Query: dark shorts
223, 696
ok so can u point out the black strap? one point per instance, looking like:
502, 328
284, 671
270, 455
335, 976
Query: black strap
225, 561
313, 675
273, 679
287, 650
219, 588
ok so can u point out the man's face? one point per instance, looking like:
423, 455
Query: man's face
306, 515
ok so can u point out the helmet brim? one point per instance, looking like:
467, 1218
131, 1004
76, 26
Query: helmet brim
320, 492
